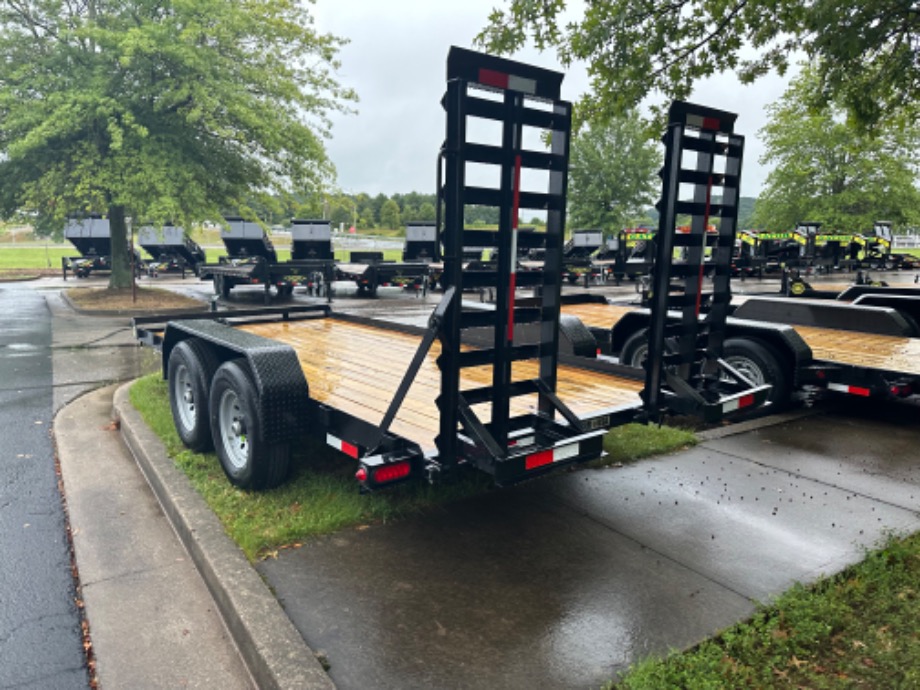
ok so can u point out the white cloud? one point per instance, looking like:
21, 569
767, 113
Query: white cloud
396, 62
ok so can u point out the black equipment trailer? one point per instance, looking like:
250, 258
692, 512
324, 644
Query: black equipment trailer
92, 237
252, 260
471, 389
866, 343
369, 271
171, 249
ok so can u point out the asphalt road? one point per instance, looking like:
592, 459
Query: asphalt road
41, 643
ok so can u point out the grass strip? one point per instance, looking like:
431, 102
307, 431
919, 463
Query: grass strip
856, 629
321, 496
12, 257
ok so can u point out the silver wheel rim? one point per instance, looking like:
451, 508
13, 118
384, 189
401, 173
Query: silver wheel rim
748, 368
639, 356
184, 395
233, 430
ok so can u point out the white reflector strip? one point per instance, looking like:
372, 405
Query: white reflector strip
564, 452
730, 406
522, 84
852, 390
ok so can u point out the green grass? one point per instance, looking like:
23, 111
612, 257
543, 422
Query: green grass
858, 629
34, 257
322, 495
632, 442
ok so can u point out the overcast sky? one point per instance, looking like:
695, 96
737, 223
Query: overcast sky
396, 62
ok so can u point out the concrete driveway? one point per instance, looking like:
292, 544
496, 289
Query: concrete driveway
566, 581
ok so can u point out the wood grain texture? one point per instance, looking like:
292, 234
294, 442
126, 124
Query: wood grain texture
884, 352
358, 368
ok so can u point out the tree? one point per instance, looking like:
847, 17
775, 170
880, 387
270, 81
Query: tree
389, 215
426, 212
612, 174
160, 111
828, 171
867, 49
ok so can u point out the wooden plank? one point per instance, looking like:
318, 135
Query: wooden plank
357, 368
870, 350
597, 315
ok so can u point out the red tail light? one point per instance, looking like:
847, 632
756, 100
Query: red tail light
390, 473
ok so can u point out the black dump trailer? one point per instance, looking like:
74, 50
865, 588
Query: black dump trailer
471, 390
578, 256
91, 235
252, 260
171, 249
313, 255
421, 242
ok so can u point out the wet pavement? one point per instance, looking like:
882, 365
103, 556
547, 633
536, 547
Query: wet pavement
41, 642
566, 581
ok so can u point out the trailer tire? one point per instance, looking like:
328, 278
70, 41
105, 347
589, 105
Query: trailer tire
189, 372
247, 459
759, 362
635, 350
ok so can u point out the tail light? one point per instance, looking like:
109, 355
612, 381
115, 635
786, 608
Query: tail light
384, 474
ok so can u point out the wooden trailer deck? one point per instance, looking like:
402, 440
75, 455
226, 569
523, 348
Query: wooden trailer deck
357, 368
869, 350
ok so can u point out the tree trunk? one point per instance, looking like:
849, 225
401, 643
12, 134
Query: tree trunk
122, 277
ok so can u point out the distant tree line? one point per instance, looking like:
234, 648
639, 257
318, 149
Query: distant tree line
367, 212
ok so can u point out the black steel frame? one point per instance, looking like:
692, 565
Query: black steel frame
687, 325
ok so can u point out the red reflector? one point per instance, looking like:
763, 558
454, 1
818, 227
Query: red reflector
489, 77
349, 450
745, 400
544, 457
390, 473
821, 374
856, 390
361, 474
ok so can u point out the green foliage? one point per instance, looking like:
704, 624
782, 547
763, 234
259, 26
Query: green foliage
858, 629
389, 214
34, 257
631, 442
612, 174
826, 170
160, 111
867, 50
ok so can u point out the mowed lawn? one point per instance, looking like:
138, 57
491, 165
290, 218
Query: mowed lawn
34, 257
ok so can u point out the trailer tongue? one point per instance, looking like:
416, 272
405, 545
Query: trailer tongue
492, 389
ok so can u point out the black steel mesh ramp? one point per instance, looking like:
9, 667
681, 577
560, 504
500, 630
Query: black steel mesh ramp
499, 116
689, 290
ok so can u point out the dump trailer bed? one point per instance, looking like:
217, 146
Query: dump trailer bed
356, 367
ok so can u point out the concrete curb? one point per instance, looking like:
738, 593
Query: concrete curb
754, 424
271, 647
125, 312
